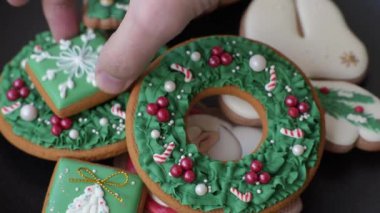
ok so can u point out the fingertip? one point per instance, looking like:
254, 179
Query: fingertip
110, 84
17, 3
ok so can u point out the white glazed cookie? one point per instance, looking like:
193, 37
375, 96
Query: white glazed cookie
352, 115
311, 33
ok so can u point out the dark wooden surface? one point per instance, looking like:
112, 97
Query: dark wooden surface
344, 183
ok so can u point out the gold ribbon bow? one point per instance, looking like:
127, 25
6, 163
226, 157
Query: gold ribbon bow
90, 177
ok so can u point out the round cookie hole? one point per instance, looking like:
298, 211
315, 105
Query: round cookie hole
217, 136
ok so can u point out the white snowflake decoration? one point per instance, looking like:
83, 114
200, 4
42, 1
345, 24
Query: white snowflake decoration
73, 60
91, 201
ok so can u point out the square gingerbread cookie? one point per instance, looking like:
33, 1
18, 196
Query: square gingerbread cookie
64, 74
78, 186
104, 14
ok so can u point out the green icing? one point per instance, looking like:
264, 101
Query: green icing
340, 107
96, 10
289, 172
38, 131
63, 191
73, 62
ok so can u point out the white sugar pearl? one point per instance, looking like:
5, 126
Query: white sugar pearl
28, 112
106, 3
195, 56
73, 134
169, 86
298, 150
103, 122
155, 134
201, 189
257, 63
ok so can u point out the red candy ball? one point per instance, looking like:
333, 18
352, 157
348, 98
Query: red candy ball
216, 51
24, 92
359, 109
189, 176
304, 107
293, 112
324, 90
186, 163
226, 58
163, 115
13, 95
256, 166
291, 101
214, 61
251, 177
55, 120
66, 123
163, 102
264, 178
176, 170
56, 130
18, 83
152, 108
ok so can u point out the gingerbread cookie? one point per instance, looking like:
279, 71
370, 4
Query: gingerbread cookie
352, 116
29, 124
78, 186
104, 14
64, 73
311, 33
178, 173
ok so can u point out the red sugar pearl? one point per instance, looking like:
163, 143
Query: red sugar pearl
293, 112
13, 94
359, 109
291, 101
304, 107
56, 130
186, 163
264, 178
217, 51
189, 176
24, 92
66, 123
251, 177
163, 115
324, 90
163, 102
176, 170
152, 108
256, 166
214, 61
55, 120
226, 58
18, 83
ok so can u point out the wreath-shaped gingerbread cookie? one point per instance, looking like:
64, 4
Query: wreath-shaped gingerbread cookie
266, 180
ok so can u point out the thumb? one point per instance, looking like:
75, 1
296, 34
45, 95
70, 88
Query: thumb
147, 26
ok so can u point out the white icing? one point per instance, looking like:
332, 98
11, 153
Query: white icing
319, 55
91, 201
357, 118
121, 6
240, 107
345, 94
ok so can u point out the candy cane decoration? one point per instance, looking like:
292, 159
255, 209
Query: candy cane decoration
9, 109
161, 158
273, 80
117, 111
187, 72
246, 197
296, 133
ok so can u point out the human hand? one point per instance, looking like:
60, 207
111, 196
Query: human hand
147, 26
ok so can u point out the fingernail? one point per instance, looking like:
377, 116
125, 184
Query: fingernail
110, 84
